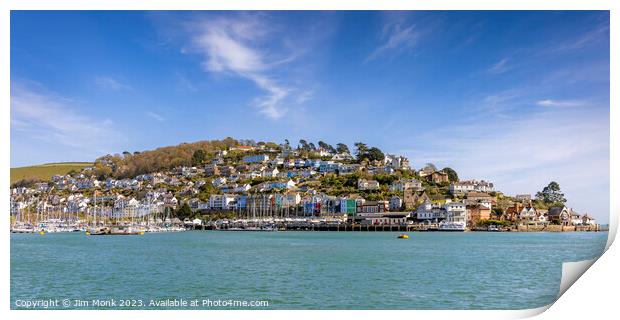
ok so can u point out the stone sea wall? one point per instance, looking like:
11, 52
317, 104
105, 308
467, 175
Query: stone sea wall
554, 228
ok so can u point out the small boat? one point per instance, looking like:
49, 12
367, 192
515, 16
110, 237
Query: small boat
22, 230
98, 231
403, 236
125, 231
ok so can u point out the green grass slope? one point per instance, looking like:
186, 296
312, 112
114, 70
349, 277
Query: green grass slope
46, 171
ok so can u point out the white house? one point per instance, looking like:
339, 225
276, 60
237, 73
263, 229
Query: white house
456, 212
221, 201
470, 186
427, 211
364, 184
528, 214
587, 220
271, 173
343, 157
396, 162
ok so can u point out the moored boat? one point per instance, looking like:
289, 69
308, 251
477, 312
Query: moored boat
451, 226
98, 231
125, 231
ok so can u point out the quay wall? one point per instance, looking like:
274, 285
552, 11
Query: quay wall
409, 228
554, 228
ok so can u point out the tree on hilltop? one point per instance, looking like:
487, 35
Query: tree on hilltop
342, 148
361, 149
551, 194
375, 154
303, 145
452, 175
431, 166
199, 157
326, 146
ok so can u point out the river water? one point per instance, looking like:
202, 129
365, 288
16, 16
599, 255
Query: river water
299, 270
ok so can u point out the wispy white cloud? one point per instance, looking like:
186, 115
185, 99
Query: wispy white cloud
499, 67
398, 33
110, 83
236, 46
592, 36
155, 116
47, 116
521, 154
305, 96
560, 103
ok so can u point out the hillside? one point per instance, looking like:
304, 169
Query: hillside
46, 171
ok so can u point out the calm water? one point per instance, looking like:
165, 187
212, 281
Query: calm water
303, 270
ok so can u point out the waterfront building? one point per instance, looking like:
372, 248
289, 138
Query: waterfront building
560, 215
369, 207
348, 206
575, 218
413, 198
512, 212
220, 201
587, 220
395, 203
430, 213
392, 218
456, 212
528, 214
476, 213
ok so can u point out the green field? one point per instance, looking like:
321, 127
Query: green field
46, 171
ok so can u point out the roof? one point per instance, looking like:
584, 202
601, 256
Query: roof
555, 210
477, 194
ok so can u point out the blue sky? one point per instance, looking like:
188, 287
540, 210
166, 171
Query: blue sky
519, 98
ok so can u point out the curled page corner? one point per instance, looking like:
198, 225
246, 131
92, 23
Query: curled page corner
528, 313
571, 271
613, 228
